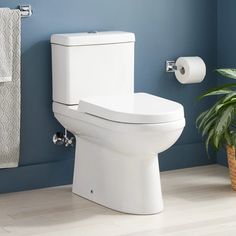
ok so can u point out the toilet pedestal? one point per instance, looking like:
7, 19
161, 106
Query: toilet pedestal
119, 181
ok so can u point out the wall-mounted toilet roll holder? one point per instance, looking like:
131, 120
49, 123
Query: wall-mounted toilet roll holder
172, 67
187, 70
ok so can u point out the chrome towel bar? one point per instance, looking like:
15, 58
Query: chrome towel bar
25, 10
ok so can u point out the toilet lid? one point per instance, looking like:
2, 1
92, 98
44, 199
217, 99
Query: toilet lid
139, 108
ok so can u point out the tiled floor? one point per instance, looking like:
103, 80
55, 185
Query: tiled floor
198, 201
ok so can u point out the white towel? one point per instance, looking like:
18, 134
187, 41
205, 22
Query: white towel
10, 30
6, 34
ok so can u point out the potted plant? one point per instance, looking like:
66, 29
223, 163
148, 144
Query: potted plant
218, 123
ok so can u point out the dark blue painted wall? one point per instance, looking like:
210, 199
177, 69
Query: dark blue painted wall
226, 48
165, 29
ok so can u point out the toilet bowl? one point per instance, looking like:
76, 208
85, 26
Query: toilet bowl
116, 162
119, 133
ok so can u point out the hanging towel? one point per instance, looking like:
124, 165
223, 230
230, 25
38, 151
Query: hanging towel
10, 30
6, 45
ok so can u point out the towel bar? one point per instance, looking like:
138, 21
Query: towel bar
25, 10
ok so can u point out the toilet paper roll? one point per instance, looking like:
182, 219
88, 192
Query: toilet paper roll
190, 70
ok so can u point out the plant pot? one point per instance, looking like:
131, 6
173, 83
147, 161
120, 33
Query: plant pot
232, 165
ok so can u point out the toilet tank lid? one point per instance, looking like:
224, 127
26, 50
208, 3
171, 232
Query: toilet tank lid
92, 38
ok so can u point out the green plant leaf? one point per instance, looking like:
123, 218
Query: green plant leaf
200, 117
208, 126
216, 93
216, 140
209, 114
223, 124
217, 123
233, 135
228, 97
207, 118
209, 137
227, 137
228, 72
222, 87
223, 105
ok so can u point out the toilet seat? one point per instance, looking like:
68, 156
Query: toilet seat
138, 108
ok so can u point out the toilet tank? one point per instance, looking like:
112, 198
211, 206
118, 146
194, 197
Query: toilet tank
92, 64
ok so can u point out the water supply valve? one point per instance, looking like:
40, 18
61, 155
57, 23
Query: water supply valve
60, 138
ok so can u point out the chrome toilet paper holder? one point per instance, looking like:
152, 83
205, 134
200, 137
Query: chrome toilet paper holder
172, 67
188, 69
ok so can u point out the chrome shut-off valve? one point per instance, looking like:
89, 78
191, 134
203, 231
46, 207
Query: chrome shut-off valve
60, 138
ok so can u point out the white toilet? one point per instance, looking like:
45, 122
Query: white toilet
118, 132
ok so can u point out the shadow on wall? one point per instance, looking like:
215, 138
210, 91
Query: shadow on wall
37, 121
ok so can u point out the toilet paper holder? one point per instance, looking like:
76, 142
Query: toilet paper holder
187, 70
172, 67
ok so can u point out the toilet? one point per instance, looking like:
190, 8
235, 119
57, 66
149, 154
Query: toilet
119, 133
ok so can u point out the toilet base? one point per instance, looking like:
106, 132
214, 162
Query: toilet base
119, 181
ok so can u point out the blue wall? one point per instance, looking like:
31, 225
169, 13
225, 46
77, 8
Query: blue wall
226, 47
164, 30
